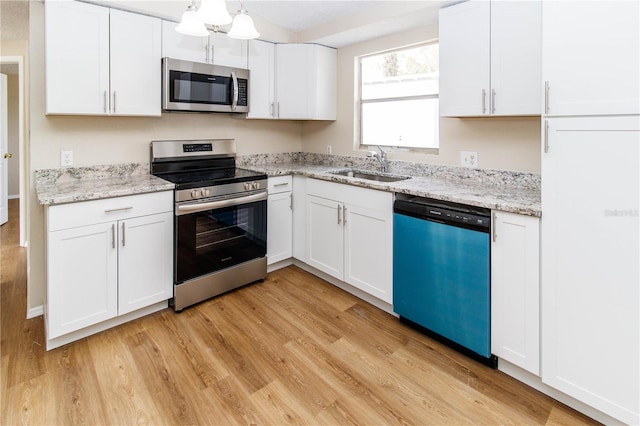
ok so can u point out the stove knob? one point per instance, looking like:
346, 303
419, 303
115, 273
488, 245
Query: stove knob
205, 192
247, 186
255, 185
194, 193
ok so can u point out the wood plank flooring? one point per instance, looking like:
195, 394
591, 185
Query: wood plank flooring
291, 350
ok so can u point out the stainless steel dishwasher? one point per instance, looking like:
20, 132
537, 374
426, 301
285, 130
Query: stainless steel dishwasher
441, 272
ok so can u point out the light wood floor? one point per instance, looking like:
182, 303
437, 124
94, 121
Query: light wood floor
293, 349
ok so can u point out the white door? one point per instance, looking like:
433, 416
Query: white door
590, 276
261, 90
4, 136
325, 249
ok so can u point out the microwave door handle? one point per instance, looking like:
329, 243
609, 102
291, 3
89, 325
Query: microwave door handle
200, 207
234, 94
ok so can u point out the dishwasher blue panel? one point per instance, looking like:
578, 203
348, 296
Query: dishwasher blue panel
441, 280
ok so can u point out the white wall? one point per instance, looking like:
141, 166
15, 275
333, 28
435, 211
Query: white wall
502, 143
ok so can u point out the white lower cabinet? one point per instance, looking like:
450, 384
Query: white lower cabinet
279, 219
515, 290
106, 258
350, 235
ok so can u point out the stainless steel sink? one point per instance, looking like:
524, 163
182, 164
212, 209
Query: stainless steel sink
379, 177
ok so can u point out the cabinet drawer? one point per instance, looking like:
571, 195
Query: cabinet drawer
363, 197
280, 184
72, 215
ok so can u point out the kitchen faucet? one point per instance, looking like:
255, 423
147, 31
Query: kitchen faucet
382, 158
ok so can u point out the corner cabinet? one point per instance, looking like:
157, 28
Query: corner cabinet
350, 235
279, 219
217, 48
515, 289
106, 259
589, 72
113, 68
490, 56
292, 81
590, 250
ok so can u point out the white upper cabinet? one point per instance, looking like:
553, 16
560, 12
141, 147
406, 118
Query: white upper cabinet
135, 60
101, 61
590, 62
77, 67
217, 48
490, 58
292, 81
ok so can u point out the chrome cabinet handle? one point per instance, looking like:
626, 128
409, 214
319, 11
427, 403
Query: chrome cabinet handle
484, 101
493, 101
211, 61
113, 107
546, 136
494, 218
281, 184
291, 201
344, 215
104, 101
339, 213
113, 236
119, 209
272, 109
123, 240
546, 97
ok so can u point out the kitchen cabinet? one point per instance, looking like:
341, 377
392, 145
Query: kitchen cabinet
111, 69
350, 235
490, 56
217, 48
279, 219
589, 72
107, 258
294, 81
590, 250
515, 289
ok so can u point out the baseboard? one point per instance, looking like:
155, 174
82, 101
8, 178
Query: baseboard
13, 197
279, 265
35, 312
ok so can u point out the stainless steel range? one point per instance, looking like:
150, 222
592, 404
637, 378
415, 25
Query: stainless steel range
220, 218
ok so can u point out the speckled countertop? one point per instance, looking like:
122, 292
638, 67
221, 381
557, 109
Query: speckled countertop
68, 185
513, 192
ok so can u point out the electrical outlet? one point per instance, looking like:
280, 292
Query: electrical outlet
66, 158
329, 149
469, 159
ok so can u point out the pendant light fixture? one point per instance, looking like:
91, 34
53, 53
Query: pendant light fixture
243, 27
191, 24
214, 12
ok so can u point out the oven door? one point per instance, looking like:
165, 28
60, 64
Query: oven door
219, 233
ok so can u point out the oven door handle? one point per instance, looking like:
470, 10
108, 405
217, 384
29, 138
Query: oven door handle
200, 207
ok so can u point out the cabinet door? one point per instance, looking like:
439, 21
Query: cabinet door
293, 91
590, 249
82, 287
228, 51
515, 57
464, 59
77, 58
279, 227
591, 72
135, 64
299, 194
368, 242
515, 290
325, 249
145, 274
183, 47
261, 63
324, 81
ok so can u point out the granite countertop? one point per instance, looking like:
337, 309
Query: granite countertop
514, 197
60, 186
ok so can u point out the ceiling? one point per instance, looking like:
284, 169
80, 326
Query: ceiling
329, 22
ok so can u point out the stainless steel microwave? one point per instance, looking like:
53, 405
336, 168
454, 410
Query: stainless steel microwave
193, 86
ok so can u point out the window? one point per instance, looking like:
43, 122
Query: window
399, 98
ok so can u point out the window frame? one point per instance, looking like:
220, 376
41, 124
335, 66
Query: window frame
359, 143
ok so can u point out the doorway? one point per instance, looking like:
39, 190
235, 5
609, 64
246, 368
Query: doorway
13, 67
